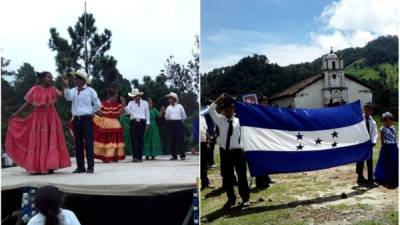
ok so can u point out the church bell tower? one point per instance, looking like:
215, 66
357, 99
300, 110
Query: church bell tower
335, 89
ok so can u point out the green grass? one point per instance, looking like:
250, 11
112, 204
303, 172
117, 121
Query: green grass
389, 217
392, 216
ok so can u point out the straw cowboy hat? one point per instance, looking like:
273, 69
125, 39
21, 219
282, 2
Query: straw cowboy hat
172, 95
82, 74
135, 92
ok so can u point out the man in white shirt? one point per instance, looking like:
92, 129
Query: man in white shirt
373, 133
140, 121
175, 115
232, 155
85, 103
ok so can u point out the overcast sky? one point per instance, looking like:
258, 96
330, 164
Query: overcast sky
290, 31
144, 32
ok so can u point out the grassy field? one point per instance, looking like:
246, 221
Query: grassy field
305, 198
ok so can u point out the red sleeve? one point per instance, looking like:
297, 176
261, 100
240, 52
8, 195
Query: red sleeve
29, 97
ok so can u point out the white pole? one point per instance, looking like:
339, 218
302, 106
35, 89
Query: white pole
85, 39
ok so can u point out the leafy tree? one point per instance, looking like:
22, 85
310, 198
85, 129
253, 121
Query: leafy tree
4, 63
194, 65
88, 51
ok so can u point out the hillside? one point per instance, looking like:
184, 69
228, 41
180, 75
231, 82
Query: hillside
375, 63
361, 69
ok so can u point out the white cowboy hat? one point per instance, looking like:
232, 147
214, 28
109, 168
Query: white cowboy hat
82, 74
172, 95
135, 92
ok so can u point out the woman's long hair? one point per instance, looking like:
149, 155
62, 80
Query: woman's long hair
48, 201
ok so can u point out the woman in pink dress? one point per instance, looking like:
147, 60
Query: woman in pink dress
37, 142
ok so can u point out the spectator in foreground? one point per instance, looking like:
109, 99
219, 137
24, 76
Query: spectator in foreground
48, 201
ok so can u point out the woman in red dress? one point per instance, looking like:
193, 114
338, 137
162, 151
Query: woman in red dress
37, 142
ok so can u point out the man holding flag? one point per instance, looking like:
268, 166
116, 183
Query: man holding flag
232, 156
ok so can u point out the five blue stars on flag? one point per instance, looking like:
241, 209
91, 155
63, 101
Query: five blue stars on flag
318, 141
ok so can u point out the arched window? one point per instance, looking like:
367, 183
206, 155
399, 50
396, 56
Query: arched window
333, 65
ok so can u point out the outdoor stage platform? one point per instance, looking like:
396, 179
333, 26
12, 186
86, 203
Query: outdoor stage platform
125, 178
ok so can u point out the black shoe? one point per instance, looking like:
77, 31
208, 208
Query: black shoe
173, 158
90, 171
153, 158
183, 158
147, 158
51, 171
361, 180
79, 171
229, 204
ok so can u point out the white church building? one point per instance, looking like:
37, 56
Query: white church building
329, 88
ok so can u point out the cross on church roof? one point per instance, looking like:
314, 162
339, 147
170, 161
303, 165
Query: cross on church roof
331, 49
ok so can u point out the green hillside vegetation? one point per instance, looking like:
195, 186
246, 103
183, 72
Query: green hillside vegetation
359, 69
365, 72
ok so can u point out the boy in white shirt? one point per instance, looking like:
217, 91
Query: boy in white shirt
373, 133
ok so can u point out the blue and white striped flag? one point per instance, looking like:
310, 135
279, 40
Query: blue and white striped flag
282, 140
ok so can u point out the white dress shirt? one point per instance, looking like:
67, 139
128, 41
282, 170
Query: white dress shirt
223, 124
66, 217
175, 112
373, 130
203, 129
138, 111
84, 103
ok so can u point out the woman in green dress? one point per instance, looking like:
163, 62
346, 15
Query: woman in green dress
152, 143
125, 122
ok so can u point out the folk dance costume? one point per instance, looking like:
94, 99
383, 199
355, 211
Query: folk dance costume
372, 131
152, 142
140, 118
36, 143
108, 133
175, 115
232, 156
125, 122
387, 167
84, 104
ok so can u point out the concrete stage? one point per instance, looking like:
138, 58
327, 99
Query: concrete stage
151, 177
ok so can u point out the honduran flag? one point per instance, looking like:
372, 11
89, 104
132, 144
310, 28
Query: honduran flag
283, 140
